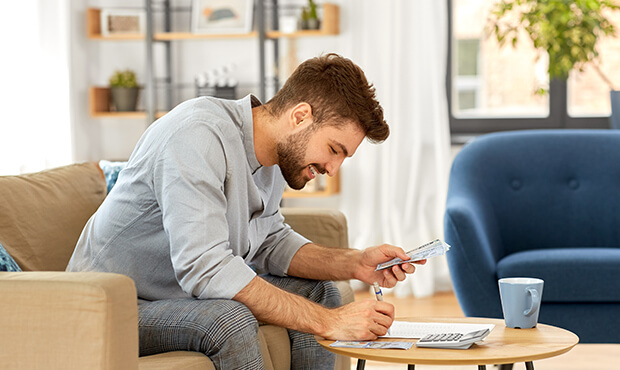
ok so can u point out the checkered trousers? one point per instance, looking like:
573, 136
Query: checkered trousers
226, 330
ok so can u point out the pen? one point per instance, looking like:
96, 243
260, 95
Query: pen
379, 296
378, 292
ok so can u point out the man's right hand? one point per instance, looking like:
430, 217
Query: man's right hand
360, 320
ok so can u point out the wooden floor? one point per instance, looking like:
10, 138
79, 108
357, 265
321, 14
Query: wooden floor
582, 357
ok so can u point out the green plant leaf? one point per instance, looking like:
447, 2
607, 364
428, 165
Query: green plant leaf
567, 30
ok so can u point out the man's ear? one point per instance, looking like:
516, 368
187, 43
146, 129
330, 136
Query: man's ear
301, 115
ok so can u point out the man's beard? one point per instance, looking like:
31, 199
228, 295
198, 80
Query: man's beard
291, 159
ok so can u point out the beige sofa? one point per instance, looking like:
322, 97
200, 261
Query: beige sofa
51, 319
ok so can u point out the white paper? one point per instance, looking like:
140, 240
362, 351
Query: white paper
407, 329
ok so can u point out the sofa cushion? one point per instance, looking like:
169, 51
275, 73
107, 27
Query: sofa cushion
7, 263
177, 360
570, 274
42, 214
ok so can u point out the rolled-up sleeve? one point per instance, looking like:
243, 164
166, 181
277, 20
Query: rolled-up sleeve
279, 247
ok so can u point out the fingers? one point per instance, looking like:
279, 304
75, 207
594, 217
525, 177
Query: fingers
393, 251
408, 268
384, 319
361, 320
385, 309
397, 273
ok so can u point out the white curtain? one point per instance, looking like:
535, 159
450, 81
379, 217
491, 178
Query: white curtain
34, 99
395, 192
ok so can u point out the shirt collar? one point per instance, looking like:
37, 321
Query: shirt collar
248, 103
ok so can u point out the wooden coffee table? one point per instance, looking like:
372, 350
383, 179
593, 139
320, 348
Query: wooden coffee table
503, 346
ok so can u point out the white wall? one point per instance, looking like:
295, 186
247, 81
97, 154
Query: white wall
94, 61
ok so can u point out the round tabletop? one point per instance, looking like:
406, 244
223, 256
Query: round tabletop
503, 346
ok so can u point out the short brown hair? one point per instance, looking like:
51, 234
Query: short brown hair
336, 89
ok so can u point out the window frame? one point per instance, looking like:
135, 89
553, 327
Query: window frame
558, 117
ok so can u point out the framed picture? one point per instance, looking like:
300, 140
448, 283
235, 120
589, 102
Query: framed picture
122, 21
222, 16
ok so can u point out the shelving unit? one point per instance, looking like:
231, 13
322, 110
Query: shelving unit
329, 27
99, 105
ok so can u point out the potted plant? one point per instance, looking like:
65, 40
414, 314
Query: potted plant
313, 17
309, 17
124, 90
567, 31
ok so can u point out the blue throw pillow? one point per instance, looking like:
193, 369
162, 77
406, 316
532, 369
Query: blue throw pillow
110, 171
7, 263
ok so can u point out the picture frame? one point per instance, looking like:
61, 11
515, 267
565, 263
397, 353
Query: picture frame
122, 22
222, 16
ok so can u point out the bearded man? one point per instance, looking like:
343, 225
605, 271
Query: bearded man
195, 214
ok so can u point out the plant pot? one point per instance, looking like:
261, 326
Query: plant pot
614, 96
313, 24
124, 99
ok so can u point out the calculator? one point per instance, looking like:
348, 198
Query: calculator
452, 340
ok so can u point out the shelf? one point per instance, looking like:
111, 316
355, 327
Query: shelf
99, 96
332, 187
170, 36
99, 103
329, 27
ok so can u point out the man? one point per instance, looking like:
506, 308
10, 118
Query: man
195, 214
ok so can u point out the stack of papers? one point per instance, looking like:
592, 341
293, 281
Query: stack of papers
407, 329
428, 250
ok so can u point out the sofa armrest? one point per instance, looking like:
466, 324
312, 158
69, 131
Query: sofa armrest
68, 320
327, 227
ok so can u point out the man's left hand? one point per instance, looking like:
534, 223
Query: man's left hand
388, 277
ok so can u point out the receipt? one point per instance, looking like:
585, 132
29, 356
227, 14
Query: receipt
431, 249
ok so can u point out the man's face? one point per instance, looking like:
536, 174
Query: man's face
306, 153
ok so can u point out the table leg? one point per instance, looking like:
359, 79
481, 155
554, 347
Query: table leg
410, 367
505, 367
529, 365
482, 367
361, 364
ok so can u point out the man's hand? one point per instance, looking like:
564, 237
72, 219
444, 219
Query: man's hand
371, 257
361, 320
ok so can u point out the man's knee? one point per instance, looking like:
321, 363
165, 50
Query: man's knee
235, 325
329, 293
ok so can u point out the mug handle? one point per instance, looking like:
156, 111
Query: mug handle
535, 302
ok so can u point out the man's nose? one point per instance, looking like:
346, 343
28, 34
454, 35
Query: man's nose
332, 167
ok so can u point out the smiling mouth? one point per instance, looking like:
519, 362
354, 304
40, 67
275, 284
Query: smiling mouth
313, 172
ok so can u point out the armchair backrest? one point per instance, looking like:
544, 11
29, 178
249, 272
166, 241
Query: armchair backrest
545, 188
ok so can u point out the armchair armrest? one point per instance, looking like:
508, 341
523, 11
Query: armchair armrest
472, 232
68, 320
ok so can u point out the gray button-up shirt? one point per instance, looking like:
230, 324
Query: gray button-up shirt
193, 209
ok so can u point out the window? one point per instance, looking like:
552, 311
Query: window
35, 131
493, 88
467, 84
588, 92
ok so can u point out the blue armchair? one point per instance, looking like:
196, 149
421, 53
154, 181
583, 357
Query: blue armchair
546, 204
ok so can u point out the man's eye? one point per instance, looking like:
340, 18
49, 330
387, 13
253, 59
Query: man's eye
333, 150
